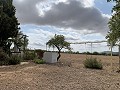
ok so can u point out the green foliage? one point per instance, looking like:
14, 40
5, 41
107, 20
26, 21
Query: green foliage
39, 61
96, 53
3, 58
8, 23
6, 60
14, 59
21, 41
59, 42
92, 63
88, 53
113, 35
77, 52
29, 55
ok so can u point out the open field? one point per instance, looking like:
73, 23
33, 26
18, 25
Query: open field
108, 61
69, 74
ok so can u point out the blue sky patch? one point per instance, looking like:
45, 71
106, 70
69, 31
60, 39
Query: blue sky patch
104, 6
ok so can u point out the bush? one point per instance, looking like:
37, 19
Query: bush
14, 60
96, 53
29, 55
93, 63
39, 61
3, 58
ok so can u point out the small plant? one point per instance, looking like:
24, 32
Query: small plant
29, 55
3, 58
92, 63
39, 61
14, 60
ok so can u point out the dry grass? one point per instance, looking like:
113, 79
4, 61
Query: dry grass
108, 61
69, 74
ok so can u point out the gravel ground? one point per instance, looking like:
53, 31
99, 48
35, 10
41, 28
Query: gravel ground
65, 75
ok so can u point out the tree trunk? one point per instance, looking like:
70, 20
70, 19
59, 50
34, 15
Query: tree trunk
1, 49
111, 46
119, 57
119, 60
58, 55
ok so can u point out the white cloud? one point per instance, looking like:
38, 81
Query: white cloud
62, 15
88, 3
106, 15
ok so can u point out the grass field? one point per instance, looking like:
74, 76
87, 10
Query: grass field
69, 74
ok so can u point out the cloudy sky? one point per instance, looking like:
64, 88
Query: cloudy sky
77, 20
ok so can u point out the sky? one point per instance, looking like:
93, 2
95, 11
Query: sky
77, 20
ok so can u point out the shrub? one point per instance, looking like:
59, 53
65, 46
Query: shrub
14, 60
29, 55
96, 53
39, 61
93, 63
3, 58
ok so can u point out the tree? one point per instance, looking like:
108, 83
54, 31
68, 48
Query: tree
8, 24
114, 24
21, 41
113, 35
59, 42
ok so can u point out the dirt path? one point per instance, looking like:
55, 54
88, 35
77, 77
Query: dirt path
68, 75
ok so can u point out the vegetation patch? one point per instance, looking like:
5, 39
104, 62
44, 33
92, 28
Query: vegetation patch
39, 61
14, 60
92, 63
29, 55
3, 58
6, 60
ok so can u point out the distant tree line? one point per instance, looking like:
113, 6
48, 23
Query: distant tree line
89, 53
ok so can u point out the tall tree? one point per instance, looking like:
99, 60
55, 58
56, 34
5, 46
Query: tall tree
59, 42
113, 35
21, 41
8, 23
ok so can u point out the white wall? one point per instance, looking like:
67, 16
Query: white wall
50, 57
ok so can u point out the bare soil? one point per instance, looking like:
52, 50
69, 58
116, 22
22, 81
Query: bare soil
68, 74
